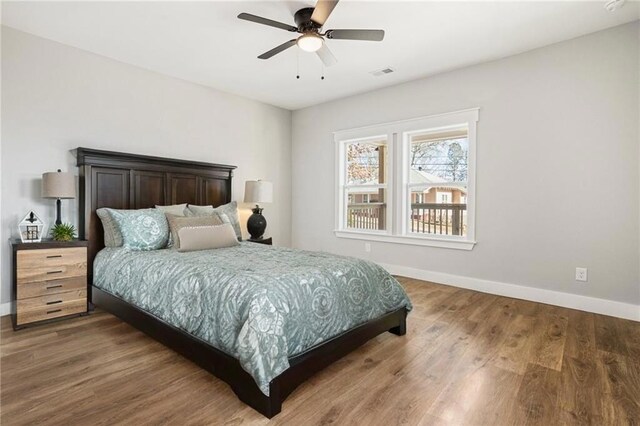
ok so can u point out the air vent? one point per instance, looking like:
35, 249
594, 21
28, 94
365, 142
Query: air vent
383, 71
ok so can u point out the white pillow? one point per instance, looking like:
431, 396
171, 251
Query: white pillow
175, 209
194, 238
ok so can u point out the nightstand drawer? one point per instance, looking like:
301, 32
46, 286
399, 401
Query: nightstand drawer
54, 310
52, 299
54, 257
44, 288
51, 273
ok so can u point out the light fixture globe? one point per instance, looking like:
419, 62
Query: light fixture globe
310, 42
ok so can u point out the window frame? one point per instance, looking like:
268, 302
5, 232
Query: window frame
343, 188
398, 186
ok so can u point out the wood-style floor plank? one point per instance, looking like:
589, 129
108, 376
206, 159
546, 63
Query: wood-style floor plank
611, 335
581, 335
621, 401
514, 353
578, 402
468, 359
551, 326
537, 396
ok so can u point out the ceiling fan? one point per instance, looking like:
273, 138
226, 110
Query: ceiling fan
309, 22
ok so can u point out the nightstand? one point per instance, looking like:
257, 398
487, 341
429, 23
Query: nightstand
49, 281
266, 241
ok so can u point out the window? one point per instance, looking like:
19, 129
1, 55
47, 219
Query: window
438, 169
443, 197
365, 184
409, 182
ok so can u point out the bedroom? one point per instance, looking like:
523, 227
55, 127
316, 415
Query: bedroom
519, 256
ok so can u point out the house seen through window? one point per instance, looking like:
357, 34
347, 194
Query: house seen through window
438, 162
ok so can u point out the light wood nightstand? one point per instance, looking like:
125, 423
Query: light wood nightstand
49, 281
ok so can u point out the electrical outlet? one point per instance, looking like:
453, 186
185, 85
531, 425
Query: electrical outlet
581, 274
367, 247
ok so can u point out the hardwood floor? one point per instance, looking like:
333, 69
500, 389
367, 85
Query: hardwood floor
468, 359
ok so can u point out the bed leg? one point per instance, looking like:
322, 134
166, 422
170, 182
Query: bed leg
275, 403
268, 406
400, 329
276, 407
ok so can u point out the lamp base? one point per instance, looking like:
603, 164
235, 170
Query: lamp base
256, 224
58, 211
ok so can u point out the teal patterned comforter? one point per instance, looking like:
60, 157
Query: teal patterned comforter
258, 303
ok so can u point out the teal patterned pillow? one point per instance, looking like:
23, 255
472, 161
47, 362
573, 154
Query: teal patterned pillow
228, 213
144, 229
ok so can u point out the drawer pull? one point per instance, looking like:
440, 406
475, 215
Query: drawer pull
54, 255
54, 311
54, 272
54, 302
49, 287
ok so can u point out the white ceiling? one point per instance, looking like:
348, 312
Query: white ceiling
205, 43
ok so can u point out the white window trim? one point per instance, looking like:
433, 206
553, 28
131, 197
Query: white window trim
398, 186
370, 235
341, 172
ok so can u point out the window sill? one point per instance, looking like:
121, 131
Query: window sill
407, 239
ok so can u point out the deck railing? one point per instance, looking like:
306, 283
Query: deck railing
366, 215
442, 219
426, 218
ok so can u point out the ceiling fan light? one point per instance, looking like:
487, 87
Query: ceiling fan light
310, 42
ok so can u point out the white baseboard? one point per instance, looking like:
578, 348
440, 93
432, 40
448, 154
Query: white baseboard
550, 297
5, 309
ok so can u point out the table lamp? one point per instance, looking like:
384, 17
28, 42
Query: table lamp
59, 185
257, 191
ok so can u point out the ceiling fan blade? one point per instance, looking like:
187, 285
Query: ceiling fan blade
326, 56
322, 11
276, 50
370, 35
265, 21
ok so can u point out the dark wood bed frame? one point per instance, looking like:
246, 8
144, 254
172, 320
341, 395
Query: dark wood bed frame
128, 181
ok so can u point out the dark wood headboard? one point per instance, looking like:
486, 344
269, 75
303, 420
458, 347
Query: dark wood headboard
129, 181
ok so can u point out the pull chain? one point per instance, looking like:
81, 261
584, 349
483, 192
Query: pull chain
321, 70
298, 64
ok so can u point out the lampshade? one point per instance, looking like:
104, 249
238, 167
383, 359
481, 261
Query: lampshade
258, 191
58, 185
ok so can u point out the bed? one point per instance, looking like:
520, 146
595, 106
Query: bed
261, 318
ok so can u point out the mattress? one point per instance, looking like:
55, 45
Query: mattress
257, 303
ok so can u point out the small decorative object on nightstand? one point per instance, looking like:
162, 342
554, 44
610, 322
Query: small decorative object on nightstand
257, 191
31, 228
266, 241
49, 281
63, 232
58, 185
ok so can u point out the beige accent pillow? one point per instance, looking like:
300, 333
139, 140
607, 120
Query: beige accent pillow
227, 212
174, 209
176, 223
194, 238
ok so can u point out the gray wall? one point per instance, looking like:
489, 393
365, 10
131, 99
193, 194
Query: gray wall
56, 98
558, 152
557, 166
